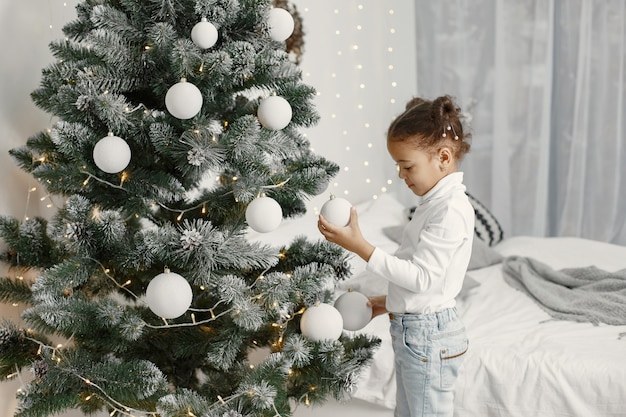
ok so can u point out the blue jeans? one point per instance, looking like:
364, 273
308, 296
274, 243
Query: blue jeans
429, 349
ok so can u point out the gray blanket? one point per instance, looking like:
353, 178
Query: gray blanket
586, 294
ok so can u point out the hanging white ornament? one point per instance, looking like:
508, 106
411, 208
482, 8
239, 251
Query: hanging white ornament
183, 100
169, 295
111, 154
274, 113
337, 211
204, 34
264, 214
281, 24
354, 310
321, 322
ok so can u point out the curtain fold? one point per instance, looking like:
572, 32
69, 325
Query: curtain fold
543, 81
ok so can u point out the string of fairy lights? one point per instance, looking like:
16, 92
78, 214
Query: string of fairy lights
359, 55
356, 56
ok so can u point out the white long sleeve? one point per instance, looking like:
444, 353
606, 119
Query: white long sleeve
426, 272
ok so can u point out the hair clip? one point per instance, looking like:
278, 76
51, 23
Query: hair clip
450, 127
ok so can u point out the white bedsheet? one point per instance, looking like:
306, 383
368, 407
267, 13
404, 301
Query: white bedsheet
520, 362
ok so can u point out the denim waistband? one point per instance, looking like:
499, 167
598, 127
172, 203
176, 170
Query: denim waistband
441, 317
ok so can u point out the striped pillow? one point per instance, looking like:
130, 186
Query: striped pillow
486, 226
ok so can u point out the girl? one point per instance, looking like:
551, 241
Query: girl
426, 272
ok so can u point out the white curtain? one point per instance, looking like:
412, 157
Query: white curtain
543, 83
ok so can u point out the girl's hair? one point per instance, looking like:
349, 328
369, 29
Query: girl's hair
431, 125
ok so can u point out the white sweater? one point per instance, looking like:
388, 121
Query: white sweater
426, 272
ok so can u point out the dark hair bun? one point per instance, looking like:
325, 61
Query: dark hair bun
416, 101
444, 112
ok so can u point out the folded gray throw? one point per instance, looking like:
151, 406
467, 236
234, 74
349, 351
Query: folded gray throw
586, 294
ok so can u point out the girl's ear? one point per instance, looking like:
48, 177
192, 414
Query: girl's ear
445, 158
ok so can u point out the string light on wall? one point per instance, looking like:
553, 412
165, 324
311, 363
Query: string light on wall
371, 63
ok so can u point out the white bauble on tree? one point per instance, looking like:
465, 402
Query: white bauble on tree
183, 100
354, 310
337, 211
204, 34
169, 295
111, 154
274, 113
321, 322
264, 214
281, 24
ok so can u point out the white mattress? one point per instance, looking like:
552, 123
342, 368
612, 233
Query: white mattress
520, 363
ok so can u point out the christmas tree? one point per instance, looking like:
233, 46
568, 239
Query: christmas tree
177, 128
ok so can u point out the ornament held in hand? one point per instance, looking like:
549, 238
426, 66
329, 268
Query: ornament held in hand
204, 34
183, 100
337, 211
354, 310
169, 295
321, 322
111, 154
264, 214
281, 24
274, 113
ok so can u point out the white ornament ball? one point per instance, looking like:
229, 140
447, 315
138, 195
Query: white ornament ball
264, 214
204, 34
183, 100
354, 310
321, 322
337, 211
281, 24
169, 295
274, 113
111, 154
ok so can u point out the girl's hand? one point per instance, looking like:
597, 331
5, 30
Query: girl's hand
378, 305
348, 237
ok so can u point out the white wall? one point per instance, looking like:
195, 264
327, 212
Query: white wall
359, 55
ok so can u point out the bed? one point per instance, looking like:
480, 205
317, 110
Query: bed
522, 362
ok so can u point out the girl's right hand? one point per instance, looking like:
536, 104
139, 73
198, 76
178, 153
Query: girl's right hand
378, 305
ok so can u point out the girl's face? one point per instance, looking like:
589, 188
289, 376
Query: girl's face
420, 169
